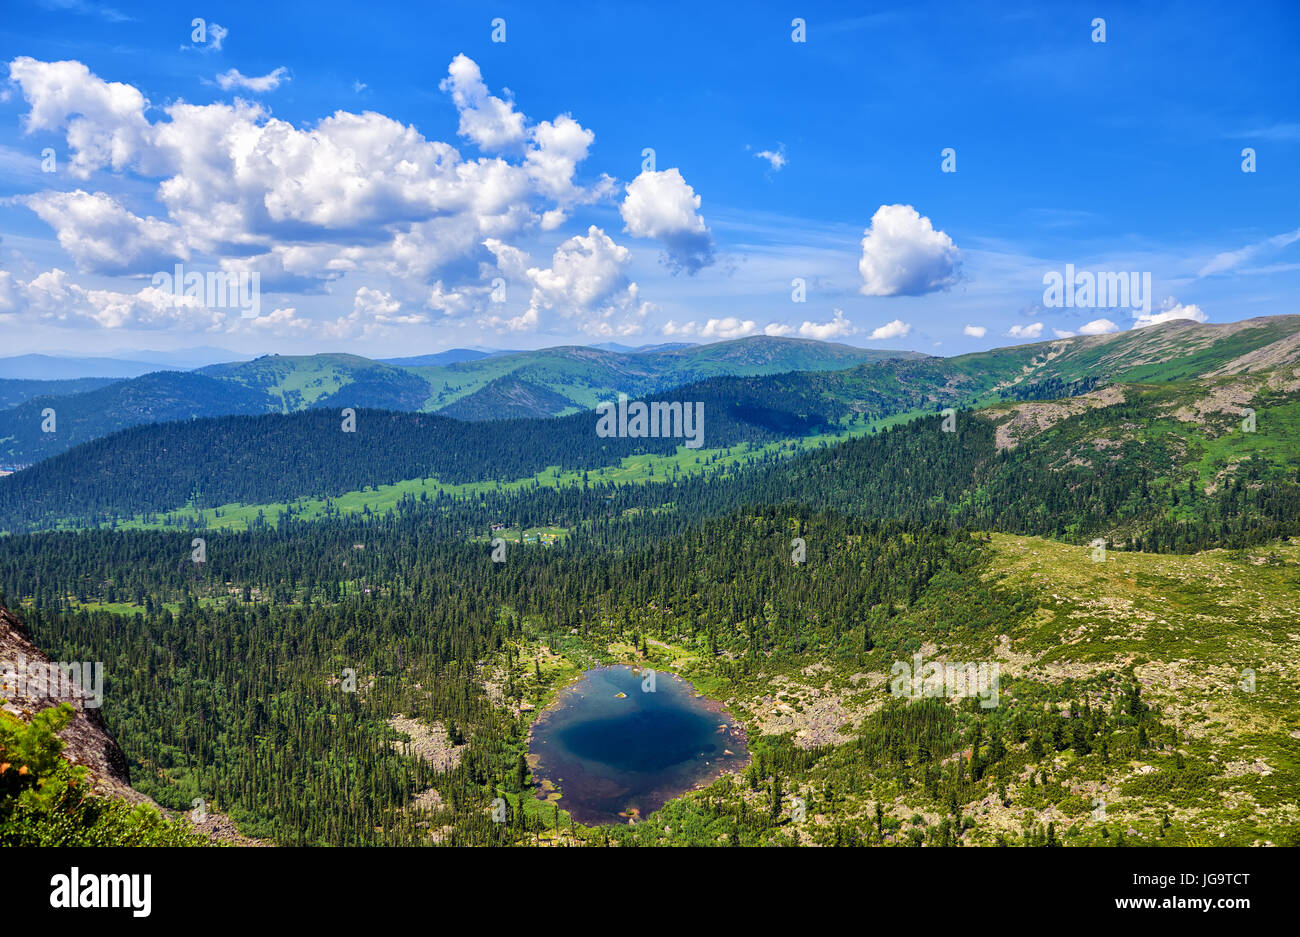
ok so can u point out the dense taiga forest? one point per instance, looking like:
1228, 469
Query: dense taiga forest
294, 672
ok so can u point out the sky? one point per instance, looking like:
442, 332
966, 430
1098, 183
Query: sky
404, 179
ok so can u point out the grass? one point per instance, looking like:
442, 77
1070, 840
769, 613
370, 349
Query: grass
383, 499
1189, 629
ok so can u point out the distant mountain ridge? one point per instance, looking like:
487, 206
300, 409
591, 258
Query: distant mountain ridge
469, 384
271, 458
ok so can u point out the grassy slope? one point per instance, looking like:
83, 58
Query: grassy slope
1199, 422
587, 376
1186, 626
293, 382
380, 499
1192, 626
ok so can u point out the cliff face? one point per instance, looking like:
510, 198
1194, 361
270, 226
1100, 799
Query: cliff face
86, 738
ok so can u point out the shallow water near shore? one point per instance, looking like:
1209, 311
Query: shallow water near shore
619, 757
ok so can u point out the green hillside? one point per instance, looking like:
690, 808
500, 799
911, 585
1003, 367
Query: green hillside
1128, 446
584, 377
532, 384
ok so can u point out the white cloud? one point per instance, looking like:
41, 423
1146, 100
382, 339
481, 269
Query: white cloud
586, 282
52, 299
661, 205
374, 312
1033, 330
281, 321
234, 79
975, 331
376, 304
490, 122
216, 36
1230, 260
895, 329
353, 193
1170, 310
458, 301
557, 148
775, 158
1098, 327
838, 327
103, 237
1095, 327
728, 328
903, 255
104, 121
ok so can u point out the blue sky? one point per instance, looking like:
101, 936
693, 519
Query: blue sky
402, 183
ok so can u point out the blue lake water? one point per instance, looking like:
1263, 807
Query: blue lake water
618, 757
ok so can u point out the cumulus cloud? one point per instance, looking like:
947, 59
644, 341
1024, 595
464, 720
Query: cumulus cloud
837, 327
281, 321
269, 82
586, 282
1095, 327
556, 150
728, 328
895, 329
975, 331
104, 237
104, 121
374, 311
661, 205
903, 255
732, 327
458, 301
490, 122
51, 298
1170, 310
380, 306
303, 205
1098, 327
1033, 330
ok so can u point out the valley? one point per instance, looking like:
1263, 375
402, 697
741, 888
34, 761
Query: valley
359, 646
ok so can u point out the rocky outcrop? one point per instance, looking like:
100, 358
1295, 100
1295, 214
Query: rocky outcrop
86, 738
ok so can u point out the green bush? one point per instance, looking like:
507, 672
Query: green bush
45, 801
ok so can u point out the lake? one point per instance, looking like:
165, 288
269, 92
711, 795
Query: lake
617, 752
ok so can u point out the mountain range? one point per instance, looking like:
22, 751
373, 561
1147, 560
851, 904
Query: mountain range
463, 383
1212, 371
1107, 523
